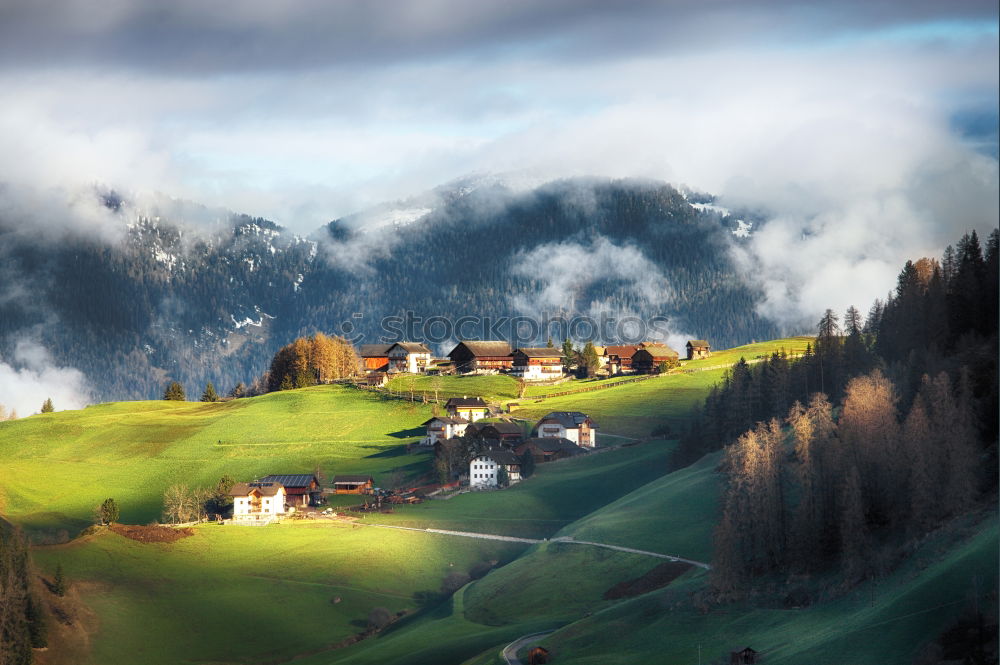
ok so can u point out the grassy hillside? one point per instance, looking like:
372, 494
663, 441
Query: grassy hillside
558, 494
254, 594
58, 466
910, 608
683, 505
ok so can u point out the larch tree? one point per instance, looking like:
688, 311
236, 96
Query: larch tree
870, 430
855, 540
47, 406
920, 456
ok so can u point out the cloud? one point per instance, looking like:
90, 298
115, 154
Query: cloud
836, 120
598, 279
30, 377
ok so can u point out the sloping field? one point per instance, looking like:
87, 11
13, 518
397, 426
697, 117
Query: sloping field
890, 623
254, 594
57, 467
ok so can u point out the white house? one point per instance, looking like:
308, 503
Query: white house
484, 469
468, 408
258, 501
573, 425
408, 357
443, 427
537, 364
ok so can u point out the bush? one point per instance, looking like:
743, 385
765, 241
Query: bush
379, 618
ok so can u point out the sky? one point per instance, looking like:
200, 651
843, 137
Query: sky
865, 130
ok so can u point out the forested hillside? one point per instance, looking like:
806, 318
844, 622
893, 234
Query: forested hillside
166, 301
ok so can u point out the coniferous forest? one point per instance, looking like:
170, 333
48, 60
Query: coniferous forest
837, 462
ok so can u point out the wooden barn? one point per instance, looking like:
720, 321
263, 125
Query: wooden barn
301, 489
353, 484
481, 357
745, 657
505, 433
648, 359
374, 357
698, 348
547, 449
537, 364
538, 656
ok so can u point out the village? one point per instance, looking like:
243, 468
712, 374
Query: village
477, 447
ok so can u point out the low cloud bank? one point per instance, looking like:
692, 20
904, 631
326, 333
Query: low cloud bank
30, 376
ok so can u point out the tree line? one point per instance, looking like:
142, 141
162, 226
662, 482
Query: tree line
876, 436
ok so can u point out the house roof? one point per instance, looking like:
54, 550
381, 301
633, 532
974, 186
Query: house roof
466, 401
374, 350
351, 479
697, 343
447, 420
503, 428
480, 349
568, 419
410, 347
658, 351
539, 352
291, 480
265, 489
621, 350
552, 444
501, 456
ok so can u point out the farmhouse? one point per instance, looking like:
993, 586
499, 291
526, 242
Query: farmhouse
618, 359
504, 433
443, 427
546, 449
698, 348
648, 359
481, 357
484, 469
300, 489
258, 501
408, 357
469, 408
375, 357
573, 425
353, 484
537, 364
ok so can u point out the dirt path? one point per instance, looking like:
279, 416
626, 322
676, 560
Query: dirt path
561, 539
510, 651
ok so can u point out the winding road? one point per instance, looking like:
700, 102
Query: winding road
560, 539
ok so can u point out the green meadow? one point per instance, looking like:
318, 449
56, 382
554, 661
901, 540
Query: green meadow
233, 594
58, 466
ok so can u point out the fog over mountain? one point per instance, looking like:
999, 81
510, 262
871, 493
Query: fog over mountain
853, 135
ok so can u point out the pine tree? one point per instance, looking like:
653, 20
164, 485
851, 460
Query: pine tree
59, 582
591, 361
568, 354
286, 383
527, 464
174, 392
47, 406
108, 512
209, 395
238, 391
